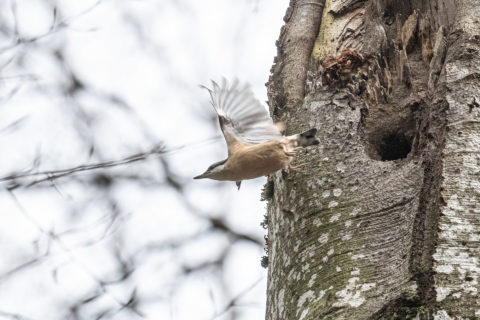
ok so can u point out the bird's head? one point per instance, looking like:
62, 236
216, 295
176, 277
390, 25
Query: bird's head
213, 171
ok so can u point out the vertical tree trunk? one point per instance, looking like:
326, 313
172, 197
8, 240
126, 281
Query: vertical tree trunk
383, 220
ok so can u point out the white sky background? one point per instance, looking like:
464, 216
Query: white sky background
151, 56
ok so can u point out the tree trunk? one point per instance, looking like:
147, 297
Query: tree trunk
383, 220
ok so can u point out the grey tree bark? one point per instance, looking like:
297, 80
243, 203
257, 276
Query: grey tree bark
383, 221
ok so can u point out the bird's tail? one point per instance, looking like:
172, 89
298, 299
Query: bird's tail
307, 138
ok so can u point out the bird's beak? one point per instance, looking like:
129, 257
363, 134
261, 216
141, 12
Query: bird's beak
202, 176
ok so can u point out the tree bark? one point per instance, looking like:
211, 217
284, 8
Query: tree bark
383, 220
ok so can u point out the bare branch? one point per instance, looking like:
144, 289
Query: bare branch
56, 26
234, 301
50, 175
14, 316
102, 284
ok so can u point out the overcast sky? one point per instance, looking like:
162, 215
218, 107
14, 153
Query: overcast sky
141, 63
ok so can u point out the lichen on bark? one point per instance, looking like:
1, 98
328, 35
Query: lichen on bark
456, 257
355, 234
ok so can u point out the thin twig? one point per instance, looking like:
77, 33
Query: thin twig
50, 175
14, 316
102, 285
234, 301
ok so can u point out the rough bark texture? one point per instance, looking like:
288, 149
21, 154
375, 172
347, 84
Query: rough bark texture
383, 222
457, 254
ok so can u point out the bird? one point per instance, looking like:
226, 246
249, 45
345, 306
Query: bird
255, 144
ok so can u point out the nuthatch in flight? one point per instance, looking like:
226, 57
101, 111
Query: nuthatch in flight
255, 145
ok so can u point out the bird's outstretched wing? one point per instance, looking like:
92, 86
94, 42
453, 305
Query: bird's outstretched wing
243, 119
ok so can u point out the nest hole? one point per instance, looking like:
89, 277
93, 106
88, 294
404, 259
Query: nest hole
389, 138
389, 132
394, 146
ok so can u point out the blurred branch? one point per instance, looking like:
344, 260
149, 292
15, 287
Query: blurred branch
14, 125
220, 225
21, 267
103, 285
55, 27
50, 175
55, 174
14, 316
234, 302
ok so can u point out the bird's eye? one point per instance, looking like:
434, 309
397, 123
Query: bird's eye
216, 164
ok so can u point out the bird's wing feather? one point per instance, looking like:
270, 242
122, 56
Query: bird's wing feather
243, 119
